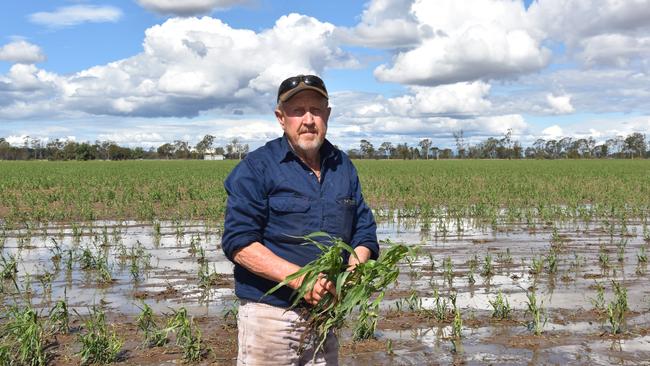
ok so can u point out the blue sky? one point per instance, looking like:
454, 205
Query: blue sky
146, 72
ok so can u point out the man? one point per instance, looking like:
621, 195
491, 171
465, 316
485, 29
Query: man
292, 186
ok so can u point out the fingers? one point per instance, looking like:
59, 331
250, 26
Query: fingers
321, 288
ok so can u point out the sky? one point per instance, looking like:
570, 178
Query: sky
148, 72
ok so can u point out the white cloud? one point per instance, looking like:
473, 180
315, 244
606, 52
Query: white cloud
560, 104
76, 14
479, 39
454, 99
188, 65
384, 23
21, 51
553, 132
188, 7
614, 50
609, 32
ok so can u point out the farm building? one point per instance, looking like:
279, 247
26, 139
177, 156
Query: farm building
213, 157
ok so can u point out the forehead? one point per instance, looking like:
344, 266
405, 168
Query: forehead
307, 97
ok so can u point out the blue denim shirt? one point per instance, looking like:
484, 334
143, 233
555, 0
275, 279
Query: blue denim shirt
275, 199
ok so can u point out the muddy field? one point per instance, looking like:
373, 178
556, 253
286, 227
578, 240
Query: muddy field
573, 270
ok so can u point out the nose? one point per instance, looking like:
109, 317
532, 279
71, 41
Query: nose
308, 118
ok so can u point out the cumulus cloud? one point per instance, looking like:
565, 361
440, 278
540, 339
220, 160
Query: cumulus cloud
77, 14
485, 39
455, 99
188, 65
605, 32
21, 52
553, 132
188, 7
560, 104
384, 23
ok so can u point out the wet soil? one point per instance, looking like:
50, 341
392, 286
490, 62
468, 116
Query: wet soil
588, 256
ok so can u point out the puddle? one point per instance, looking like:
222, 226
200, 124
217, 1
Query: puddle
588, 253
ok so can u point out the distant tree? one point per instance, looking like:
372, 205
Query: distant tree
635, 145
181, 149
366, 149
236, 150
385, 149
425, 144
165, 151
205, 144
446, 154
460, 143
353, 154
402, 151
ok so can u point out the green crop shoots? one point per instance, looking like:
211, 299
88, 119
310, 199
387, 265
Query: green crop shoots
354, 288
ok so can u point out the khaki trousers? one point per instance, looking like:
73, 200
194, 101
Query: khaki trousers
270, 335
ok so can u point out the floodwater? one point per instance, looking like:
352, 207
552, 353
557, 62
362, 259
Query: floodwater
588, 255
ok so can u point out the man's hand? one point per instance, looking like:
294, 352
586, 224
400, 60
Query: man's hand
321, 288
363, 254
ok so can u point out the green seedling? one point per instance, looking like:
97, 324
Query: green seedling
448, 270
500, 307
642, 257
59, 317
188, 335
99, 345
599, 301
440, 306
367, 321
537, 265
353, 288
488, 269
23, 338
8, 267
457, 325
536, 310
551, 262
154, 336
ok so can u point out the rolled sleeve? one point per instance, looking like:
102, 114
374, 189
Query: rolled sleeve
365, 230
246, 209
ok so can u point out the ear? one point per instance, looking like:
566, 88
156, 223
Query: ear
327, 116
279, 115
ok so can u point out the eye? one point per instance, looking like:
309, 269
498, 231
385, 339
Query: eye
316, 111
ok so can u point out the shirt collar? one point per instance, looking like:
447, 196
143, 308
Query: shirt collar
327, 150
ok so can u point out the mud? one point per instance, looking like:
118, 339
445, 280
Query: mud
588, 255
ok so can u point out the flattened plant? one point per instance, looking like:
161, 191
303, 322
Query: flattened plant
154, 335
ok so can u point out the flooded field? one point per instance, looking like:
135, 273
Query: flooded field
570, 293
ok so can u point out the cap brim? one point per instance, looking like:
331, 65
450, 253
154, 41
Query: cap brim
302, 87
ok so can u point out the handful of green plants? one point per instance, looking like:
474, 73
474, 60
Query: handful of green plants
354, 288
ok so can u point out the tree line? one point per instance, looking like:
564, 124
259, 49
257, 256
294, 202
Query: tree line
36, 149
633, 146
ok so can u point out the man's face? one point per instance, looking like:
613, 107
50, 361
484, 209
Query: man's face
304, 120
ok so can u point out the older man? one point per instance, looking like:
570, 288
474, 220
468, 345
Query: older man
292, 186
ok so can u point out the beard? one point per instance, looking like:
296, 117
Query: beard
310, 145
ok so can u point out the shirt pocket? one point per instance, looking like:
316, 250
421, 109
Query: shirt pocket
288, 215
346, 209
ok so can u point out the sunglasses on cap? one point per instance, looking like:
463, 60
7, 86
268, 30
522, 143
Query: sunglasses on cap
294, 84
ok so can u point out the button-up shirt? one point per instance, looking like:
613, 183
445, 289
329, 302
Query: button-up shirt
275, 199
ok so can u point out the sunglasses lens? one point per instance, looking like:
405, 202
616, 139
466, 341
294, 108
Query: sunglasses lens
293, 82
